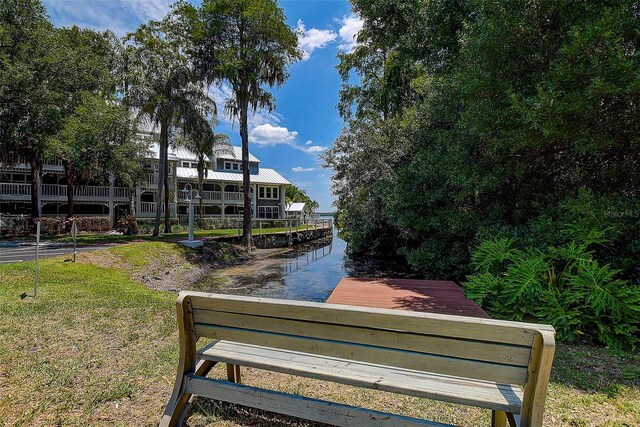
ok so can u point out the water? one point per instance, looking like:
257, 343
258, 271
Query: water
309, 273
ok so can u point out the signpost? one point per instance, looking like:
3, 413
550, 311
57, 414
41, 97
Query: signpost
74, 234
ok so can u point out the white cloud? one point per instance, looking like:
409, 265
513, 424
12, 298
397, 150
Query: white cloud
315, 149
301, 169
220, 94
312, 39
351, 26
309, 142
268, 134
121, 16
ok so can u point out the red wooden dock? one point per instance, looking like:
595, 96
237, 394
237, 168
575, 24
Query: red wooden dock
433, 296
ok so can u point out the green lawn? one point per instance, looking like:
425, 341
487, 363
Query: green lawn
97, 348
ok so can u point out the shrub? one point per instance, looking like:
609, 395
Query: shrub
128, 225
562, 283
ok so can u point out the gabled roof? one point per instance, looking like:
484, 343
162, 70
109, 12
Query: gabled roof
236, 154
266, 176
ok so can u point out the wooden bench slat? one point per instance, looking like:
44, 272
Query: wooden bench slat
409, 382
443, 346
298, 406
438, 325
504, 374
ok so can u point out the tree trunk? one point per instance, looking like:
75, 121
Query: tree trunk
36, 173
164, 138
167, 211
246, 179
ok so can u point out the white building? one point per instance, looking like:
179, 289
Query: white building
221, 192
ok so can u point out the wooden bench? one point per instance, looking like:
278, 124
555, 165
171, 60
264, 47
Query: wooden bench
498, 365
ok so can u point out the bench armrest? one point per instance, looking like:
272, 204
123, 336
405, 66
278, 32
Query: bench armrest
539, 371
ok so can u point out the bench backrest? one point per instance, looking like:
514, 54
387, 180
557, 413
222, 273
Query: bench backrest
483, 349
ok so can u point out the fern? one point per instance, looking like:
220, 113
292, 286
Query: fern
525, 278
562, 310
480, 286
492, 254
605, 293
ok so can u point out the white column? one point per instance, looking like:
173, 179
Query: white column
282, 202
254, 201
222, 198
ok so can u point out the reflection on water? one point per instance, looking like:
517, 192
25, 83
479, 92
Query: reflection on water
310, 272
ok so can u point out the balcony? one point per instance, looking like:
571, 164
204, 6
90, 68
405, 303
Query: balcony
58, 193
148, 209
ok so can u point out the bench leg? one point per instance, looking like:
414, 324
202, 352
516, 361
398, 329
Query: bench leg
233, 373
498, 419
176, 411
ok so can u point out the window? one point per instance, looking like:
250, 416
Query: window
268, 212
186, 164
268, 193
235, 166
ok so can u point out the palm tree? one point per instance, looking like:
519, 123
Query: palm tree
247, 44
199, 138
162, 85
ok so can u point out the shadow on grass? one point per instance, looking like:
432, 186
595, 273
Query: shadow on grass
204, 411
595, 369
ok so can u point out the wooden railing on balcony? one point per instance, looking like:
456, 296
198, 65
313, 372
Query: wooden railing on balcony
11, 189
211, 195
150, 208
57, 192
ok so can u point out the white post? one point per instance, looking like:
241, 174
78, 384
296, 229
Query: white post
35, 278
190, 218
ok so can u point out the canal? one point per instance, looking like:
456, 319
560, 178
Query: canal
309, 273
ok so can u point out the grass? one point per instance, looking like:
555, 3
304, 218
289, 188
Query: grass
92, 239
95, 347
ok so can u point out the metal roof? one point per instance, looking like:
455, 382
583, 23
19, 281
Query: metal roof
295, 207
236, 154
266, 176
184, 154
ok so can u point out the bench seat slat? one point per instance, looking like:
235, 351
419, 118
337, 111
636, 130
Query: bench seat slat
404, 340
415, 383
516, 333
302, 407
503, 374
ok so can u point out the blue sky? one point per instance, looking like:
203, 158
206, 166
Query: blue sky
305, 121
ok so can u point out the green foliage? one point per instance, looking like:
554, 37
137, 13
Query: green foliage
500, 112
294, 194
563, 284
247, 44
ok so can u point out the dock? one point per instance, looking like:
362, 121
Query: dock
432, 296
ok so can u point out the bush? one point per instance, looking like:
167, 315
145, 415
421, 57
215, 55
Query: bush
563, 281
128, 225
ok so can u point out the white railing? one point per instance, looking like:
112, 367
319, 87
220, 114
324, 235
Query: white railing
87, 192
92, 192
235, 196
150, 208
53, 190
120, 193
151, 179
11, 189
211, 195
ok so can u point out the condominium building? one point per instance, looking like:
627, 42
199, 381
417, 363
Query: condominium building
221, 193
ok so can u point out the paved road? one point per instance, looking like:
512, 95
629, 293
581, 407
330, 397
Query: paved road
19, 252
